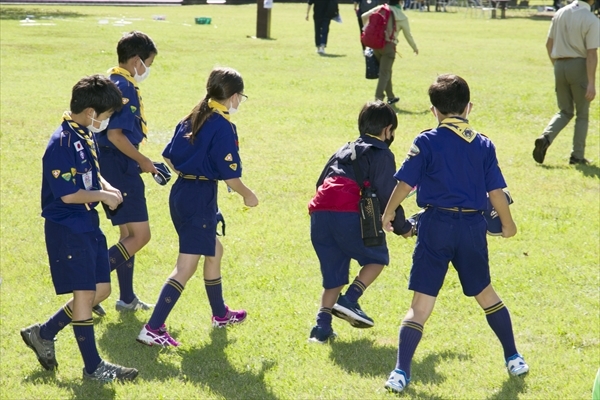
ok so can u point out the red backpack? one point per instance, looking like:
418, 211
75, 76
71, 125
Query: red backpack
373, 34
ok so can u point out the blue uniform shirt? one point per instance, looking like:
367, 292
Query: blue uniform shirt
451, 171
214, 153
67, 166
129, 118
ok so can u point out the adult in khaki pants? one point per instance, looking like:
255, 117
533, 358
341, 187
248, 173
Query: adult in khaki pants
572, 45
387, 54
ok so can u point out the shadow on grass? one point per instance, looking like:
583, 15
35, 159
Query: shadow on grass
80, 389
329, 55
20, 13
511, 388
366, 358
209, 366
118, 345
589, 170
401, 111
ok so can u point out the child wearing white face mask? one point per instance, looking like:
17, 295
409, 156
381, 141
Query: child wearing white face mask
121, 163
203, 151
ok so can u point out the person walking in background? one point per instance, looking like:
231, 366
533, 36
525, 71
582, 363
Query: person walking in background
361, 7
386, 56
323, 11
122, 162
572, 45
203, 151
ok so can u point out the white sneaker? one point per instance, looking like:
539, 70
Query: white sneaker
135, 305
321, 50
397, 381
160, 337
516, 365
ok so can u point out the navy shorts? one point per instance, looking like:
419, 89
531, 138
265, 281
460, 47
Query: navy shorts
193, 206
78, 261
337, 239
124, 174
444, 237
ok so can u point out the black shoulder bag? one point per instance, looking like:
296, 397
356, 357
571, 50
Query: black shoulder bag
368, 207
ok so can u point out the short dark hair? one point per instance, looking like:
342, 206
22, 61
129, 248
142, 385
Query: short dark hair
393, 2
449, 94
97, 92
133, 44
374, 116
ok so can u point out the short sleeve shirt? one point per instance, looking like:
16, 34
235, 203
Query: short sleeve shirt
129, 118
67, 167
574, 30
451, 172
214, 153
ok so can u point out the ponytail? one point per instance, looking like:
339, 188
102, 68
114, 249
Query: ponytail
196, 118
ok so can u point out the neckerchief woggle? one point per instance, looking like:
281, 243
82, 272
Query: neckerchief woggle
124, 73
459, 126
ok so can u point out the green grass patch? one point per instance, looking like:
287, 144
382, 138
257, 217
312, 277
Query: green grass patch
302, 107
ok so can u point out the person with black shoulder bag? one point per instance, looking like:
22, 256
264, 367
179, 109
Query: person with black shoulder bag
345, 217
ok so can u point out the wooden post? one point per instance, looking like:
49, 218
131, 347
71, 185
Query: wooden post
263, 20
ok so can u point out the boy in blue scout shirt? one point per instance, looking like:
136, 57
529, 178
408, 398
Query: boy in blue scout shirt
453, 167
203, 151
334, 219
72, 187
122, 163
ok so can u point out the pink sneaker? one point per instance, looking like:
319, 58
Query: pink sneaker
158, 336
231, 317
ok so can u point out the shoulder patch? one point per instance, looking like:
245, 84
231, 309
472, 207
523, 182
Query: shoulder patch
133, 109
56, 173
66, 176
233, 166
413, 151
125, 100
228, 157
78, 145
73, 171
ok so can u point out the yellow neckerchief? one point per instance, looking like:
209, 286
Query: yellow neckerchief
218, 108
87, 136
124, 73
459, 126
373, 136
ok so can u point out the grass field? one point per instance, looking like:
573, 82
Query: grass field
302, 107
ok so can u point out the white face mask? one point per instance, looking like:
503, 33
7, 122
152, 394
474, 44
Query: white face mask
103, 125
142, 77
232, 109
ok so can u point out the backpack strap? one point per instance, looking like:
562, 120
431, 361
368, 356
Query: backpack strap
358, 175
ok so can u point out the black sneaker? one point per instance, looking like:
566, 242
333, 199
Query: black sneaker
393, 100
99, 310
107, 372
43, 349
352, 313
541, 145
319, 335
580, 161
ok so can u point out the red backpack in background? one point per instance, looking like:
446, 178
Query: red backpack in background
373, 34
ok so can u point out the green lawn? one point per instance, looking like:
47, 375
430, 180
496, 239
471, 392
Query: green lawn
302, 107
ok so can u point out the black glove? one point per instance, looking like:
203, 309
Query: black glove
220, 219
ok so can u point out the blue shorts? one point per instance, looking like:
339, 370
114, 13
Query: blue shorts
124, 174
448, 236
337, 239
193, 206
78, 261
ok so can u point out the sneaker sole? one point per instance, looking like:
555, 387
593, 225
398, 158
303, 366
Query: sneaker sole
392, 389
355, 320
98, 312
43, 363
520, 372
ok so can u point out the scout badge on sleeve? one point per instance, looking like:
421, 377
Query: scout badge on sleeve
494, 226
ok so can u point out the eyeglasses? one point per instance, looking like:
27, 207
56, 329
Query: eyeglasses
243, 97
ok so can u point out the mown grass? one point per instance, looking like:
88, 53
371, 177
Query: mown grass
302, 107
